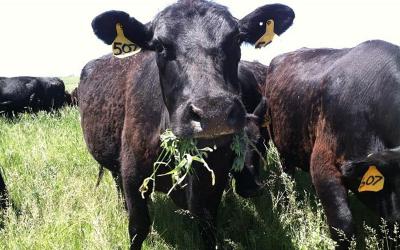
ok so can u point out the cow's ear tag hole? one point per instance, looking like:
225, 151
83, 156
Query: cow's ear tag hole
372, 181
269, 34
121, 46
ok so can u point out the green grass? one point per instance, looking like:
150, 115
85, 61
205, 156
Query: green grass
70, 82
51, 178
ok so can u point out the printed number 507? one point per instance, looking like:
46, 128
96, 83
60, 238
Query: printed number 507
120, 48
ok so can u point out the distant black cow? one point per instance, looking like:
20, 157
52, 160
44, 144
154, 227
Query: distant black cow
185, 79
71, 99
19, 94
74, 97
331, 106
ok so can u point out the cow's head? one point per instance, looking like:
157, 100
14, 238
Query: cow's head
67, 98
386, 201
197, 45
54, 92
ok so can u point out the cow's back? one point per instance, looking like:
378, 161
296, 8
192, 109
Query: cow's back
293, 86
356, 92
363, 98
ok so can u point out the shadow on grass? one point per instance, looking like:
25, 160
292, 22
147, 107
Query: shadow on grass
362, 215
242, 224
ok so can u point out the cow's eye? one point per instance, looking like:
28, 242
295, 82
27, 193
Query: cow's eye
165, 50
158, 46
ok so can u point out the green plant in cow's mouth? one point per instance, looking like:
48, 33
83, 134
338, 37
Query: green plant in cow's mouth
180, 153
239, 145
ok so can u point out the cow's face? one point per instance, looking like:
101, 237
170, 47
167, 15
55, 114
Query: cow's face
197, 45
387, 200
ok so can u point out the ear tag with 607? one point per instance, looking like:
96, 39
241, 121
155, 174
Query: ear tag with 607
372, 180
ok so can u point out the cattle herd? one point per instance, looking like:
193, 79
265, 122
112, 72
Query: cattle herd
26, 93
334, 113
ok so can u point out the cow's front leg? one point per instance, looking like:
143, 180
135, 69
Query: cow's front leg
203, 202
139, 220
333, 195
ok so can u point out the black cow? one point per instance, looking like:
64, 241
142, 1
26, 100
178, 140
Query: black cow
71, 99
74, 97
16, 95
252, 78
19, 94
3, 193
186, 79
331, 106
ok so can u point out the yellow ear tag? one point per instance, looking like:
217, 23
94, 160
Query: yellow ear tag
372, 180
121, 46
268, 35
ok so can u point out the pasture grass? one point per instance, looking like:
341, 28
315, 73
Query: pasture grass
55, 205
70, 82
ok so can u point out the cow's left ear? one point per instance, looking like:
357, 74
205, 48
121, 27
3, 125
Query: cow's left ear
126, 34
261, 112
260, 26
104, 26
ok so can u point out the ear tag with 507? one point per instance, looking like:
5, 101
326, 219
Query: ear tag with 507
121, 46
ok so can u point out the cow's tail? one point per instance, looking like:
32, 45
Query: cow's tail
100, 176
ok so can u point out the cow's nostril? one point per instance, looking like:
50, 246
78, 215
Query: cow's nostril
195, 113
236, 114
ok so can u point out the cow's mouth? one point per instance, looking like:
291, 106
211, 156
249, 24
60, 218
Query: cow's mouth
199, 133
220, 140
217, 135
206, 137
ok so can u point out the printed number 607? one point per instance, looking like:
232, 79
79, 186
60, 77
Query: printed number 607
372, 180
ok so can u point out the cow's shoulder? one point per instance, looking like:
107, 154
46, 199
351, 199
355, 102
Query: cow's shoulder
108, 66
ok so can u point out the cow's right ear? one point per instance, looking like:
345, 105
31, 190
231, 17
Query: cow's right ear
375, 169
386, 161
355, 169
105, 28
260, 26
